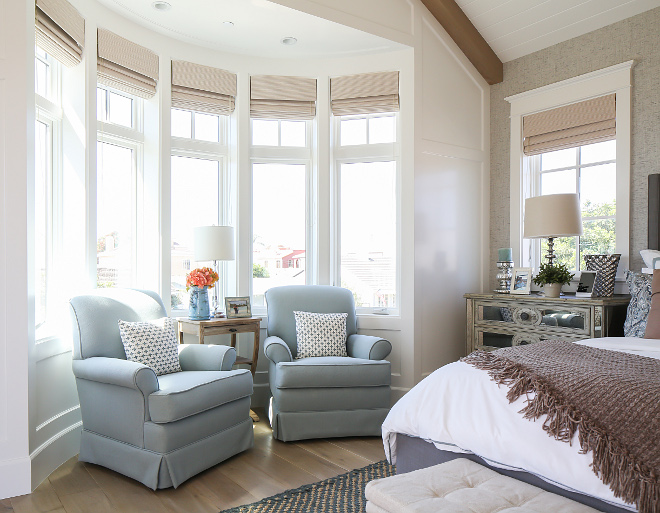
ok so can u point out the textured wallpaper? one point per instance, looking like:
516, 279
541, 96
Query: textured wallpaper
638, 39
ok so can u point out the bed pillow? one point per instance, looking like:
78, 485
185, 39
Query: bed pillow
653, 321
152, 343
320, 334
640, 304
650, 256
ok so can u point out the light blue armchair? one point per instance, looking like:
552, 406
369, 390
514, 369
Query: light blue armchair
159, 430
324, 396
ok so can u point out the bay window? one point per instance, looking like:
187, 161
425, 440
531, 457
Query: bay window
118, 182
198, 191
367, 176
281, 163
47, 146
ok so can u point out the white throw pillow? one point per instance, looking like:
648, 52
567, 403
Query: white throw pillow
152, 343
320, 334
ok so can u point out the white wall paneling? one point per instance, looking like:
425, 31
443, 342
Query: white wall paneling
16, 143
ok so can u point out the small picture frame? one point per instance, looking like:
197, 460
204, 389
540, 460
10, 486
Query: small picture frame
521, 280
238, 307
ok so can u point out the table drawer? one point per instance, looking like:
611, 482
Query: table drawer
559, 318
497, 338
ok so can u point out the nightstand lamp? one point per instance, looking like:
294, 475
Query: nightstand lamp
214, 243
552, 216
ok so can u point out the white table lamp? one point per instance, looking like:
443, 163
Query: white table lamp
552, 216
214, 243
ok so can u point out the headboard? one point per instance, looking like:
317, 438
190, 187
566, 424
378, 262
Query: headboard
654, 211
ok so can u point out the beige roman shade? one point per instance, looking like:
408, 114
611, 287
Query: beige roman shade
202, 88
125, 65
366, 93
570, 126
278, 97
60, 30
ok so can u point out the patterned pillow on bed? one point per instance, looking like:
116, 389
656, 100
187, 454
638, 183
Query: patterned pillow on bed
640, 304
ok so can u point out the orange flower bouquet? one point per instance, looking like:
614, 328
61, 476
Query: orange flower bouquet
201, 277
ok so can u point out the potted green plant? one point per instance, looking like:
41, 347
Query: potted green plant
552, 277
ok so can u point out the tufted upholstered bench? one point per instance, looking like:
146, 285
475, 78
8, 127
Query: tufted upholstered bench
462, 486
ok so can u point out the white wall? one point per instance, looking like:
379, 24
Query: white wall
444, 184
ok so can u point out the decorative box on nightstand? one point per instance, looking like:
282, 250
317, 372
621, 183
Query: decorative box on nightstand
502, 320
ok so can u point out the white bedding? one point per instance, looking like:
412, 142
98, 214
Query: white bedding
460, 409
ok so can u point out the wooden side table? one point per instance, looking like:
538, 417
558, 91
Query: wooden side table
224, 326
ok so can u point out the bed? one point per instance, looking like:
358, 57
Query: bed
458, 411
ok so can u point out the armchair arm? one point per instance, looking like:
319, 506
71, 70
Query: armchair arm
202, 357
276, 350
368, 347
115, 371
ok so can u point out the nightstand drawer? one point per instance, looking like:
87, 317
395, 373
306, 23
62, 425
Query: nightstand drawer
559, 318
494, 338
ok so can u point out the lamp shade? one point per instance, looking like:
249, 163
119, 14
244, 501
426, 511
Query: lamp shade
553, 215
214, 243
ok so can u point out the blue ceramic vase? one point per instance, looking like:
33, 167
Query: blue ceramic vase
198, 308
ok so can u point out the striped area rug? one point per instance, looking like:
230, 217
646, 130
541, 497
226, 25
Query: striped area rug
341, 494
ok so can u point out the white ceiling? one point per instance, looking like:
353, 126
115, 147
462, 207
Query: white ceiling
514, 28
259, 26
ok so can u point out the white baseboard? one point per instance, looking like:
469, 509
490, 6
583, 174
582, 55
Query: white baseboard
14, 477
53, 452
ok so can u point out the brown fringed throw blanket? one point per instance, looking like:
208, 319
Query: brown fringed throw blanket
610, 399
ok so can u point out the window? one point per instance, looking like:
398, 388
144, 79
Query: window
599, 171
281, 162
589, 171
114, 107
197, 125
47, 148
366, 167
118, 178
199, 156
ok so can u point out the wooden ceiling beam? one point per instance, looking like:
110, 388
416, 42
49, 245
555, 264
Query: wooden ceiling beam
467, 37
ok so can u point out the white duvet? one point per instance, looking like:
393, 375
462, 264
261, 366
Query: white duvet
460, 409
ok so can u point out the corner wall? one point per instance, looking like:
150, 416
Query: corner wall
634, 38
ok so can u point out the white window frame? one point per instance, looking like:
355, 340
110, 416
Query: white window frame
218, 152
614, 79
364, 153
54, 77
48, 111
293, 155
133, 139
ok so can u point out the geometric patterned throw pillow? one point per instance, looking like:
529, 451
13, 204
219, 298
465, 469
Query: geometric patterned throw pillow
152, 343
640, 304
320, 334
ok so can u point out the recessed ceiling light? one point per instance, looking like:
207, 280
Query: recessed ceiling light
160, 5
289, 41
228, 23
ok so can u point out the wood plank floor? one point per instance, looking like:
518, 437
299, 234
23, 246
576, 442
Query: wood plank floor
268, 468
